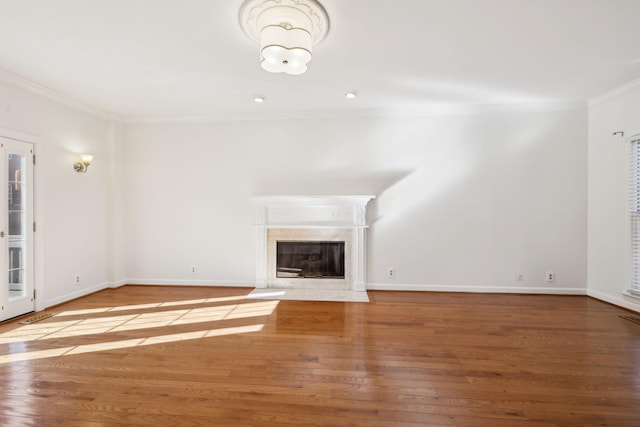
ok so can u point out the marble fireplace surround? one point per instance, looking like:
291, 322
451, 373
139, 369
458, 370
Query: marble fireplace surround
312, 218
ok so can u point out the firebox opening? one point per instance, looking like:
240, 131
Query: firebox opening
317, 260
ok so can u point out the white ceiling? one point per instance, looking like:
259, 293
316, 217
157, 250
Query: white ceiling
159, 58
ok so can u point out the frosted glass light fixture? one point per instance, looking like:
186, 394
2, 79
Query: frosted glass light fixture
83, 164
286, 31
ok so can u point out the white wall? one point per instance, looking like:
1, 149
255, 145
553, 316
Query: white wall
465, 201
71, 208
609, 266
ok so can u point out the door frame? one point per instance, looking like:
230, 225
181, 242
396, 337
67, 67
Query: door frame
38, 252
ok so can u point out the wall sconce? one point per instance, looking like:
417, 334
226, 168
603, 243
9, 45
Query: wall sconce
83, 164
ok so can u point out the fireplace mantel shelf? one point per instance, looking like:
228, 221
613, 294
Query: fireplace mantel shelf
312, 200
311, 225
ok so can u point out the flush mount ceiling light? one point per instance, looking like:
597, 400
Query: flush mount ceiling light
286, 31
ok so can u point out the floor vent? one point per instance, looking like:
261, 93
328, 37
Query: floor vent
634, 319
36, 318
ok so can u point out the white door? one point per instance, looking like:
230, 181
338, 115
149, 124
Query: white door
16, 228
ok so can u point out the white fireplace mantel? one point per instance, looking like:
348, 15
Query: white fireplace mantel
311, 218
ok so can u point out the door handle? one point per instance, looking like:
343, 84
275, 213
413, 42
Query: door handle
1, 233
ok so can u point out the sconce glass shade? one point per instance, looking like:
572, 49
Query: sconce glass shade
82, 166
285, 50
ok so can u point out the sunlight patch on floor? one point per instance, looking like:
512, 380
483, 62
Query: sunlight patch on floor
150, 305
131, 322
137, 342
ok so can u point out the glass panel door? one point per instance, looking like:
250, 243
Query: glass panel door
16, 231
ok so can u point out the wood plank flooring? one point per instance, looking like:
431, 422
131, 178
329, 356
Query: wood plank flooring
182, 356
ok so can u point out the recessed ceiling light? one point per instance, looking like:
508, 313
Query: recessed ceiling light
258, 98
351, 94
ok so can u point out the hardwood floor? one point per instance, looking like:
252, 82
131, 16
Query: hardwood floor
179, 356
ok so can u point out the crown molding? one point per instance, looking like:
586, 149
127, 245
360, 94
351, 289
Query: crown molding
415, 111
620, 90
58, 97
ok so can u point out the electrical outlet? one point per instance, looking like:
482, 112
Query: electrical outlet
194, 269
520, 276
391, 272
77, 279
550, 277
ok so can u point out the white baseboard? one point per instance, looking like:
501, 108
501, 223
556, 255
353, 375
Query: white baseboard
77, 294
171, 282
480, 289
370, 286
622, 301
118, 284
162, 282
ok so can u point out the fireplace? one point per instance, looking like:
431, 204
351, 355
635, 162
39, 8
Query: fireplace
311, 242
310, 260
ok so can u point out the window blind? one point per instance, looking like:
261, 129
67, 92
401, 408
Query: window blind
634, 212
